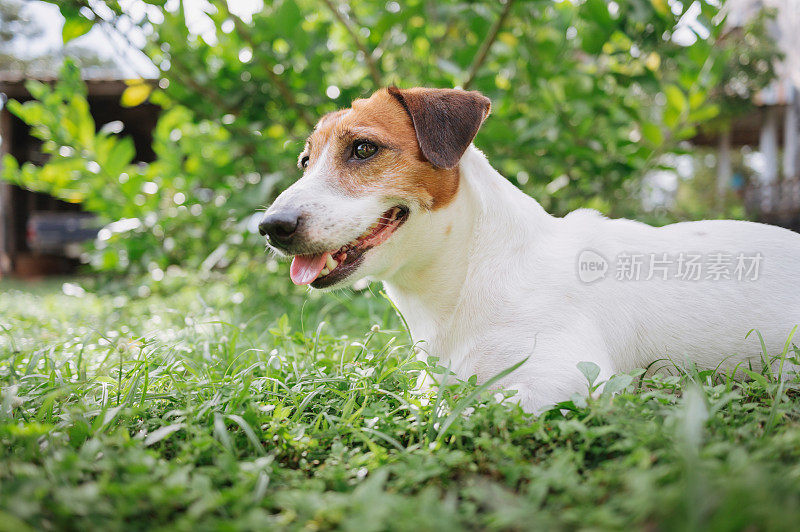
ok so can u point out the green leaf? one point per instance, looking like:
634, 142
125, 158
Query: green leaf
652, 133
661, 6
590, 370
671, 117
288, 15
758, 377
249, 432
161, 433
74, 27
705, 113
120, 156
675, 98
592, 40
617, 383
686, 133
696, 99
221, 432
37, 89
9, 168
597, 11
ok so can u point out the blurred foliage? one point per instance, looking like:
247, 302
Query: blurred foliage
21, 32
177, 209
587, 97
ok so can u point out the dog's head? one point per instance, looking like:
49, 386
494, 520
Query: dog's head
367, 171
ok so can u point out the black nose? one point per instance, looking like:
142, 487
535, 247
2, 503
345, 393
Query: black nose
280, 226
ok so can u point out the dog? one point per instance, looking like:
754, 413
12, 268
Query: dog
393, 189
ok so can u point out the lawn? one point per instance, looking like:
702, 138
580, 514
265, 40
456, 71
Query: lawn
195, 404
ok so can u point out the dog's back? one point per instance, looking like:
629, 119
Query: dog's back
624, 289
693, 289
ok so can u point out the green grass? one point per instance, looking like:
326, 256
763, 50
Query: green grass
194, 404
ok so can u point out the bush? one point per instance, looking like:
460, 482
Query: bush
586, 98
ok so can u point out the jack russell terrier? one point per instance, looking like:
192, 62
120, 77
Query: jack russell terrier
392, 189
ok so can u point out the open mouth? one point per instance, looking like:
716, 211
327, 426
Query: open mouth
328, 268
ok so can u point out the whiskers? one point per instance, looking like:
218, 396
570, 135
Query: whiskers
275, 254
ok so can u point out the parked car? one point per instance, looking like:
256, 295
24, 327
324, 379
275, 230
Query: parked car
60, 233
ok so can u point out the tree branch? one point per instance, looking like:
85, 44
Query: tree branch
286, 92
487, 44
352, 30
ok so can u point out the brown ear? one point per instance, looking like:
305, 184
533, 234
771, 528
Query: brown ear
445, 120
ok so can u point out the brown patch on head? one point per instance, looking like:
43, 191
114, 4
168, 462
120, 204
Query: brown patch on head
420, 134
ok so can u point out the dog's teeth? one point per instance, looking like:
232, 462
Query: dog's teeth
331, 263
324, 272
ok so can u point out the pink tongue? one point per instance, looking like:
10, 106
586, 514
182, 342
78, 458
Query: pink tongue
306, 268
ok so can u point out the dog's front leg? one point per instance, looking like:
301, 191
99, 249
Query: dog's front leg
551, 374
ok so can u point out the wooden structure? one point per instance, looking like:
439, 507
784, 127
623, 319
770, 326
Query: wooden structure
775, 196
774, 127
773, 130
17, 204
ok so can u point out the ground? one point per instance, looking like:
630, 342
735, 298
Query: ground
193, 403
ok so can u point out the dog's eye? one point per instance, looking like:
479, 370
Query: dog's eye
364, 150
304, 162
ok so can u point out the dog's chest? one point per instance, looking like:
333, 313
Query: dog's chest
472, 340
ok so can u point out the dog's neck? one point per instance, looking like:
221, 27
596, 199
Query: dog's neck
487, 213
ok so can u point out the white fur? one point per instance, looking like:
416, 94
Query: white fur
492, 278
503, 285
